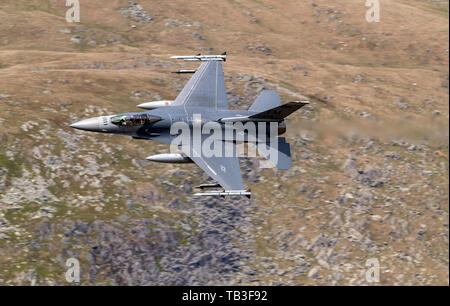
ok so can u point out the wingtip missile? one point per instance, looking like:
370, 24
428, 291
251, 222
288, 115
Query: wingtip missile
223, 194
193, 58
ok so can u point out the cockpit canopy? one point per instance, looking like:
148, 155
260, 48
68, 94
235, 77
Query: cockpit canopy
134, 119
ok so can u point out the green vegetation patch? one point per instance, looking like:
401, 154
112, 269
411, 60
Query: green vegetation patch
14, 166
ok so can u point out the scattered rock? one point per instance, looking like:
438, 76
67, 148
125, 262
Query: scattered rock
262, 49
358, 79
136, 13
77, 39
401, 103
314, 272
65, 31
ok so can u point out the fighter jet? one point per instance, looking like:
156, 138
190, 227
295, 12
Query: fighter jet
203, 101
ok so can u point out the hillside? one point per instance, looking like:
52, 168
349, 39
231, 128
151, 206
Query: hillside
370, 175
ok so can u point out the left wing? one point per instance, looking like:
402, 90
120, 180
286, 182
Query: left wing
205, 89
224, 170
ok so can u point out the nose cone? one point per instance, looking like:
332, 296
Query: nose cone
91, 124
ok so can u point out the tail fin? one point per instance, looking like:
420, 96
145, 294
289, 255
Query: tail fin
280, 112
267, 99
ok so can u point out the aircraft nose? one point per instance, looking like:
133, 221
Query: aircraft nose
91, 124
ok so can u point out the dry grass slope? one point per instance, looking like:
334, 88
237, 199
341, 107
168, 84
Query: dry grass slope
370, 175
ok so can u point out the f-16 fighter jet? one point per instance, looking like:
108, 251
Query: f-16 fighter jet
205, 131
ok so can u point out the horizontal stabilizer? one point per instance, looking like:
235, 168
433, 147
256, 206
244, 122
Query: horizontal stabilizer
280, 112
279, 156
276, 114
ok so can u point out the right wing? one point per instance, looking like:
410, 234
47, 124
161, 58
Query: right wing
205, 89
224, 170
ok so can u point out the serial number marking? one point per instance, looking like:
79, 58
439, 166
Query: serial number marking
236, 295
231, 296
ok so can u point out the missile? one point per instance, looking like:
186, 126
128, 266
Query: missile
206, 186
170, 158
226, 193
193, 58
185, 71
155, 104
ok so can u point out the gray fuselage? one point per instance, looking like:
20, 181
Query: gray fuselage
163, 129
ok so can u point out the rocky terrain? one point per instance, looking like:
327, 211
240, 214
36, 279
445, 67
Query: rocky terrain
370, 176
